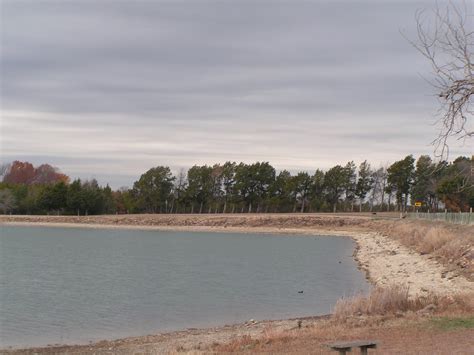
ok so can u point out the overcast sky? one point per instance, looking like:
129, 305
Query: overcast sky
108, 89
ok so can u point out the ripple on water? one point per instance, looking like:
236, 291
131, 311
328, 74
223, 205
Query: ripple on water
74, 285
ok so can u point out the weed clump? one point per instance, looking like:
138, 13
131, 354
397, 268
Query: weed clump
395, 300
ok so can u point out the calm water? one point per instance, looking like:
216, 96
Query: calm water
76, 285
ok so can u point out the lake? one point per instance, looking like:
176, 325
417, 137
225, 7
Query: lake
75, 285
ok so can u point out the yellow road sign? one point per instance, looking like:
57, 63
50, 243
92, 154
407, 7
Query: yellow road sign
417, 204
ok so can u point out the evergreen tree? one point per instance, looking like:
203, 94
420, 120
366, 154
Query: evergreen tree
152, 191
400, 179
364, 182
350, 183
75, 198
335, 183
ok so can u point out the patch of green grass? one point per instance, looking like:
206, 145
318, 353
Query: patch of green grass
448, 323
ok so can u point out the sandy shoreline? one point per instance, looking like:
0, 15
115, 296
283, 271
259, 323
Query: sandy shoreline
168, 342
230, 229
384, 260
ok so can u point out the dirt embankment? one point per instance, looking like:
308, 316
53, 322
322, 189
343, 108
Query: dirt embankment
204, 220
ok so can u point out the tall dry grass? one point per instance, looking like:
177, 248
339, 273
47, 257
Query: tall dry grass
429, 238
380, 301
395, 299
380, 307
453, 245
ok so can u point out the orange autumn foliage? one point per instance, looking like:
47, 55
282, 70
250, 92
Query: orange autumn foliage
26, 173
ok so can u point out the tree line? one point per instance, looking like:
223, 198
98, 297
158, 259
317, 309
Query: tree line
245, 188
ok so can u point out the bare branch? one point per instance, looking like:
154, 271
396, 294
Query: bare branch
448, 46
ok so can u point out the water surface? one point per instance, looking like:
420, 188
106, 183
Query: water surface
71, 285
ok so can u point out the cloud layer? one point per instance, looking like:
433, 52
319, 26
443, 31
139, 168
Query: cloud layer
109, 89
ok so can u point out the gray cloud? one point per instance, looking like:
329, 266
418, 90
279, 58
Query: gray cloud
109, 89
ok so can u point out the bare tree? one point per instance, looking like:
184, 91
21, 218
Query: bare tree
4, 170
447, 42
179, 190
379, 179
7, 201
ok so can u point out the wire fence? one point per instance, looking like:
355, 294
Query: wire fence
450, 217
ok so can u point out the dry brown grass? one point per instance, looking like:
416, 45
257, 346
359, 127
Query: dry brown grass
245, 342
388, 313
457, 304
397, 338
395, 300
381, 301
453, 245
269, 336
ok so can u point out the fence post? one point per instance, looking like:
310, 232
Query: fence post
449, 217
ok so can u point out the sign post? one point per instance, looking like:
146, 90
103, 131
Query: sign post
417, 205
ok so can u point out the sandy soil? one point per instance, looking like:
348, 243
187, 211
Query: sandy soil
387, 262
384, 260
180, 341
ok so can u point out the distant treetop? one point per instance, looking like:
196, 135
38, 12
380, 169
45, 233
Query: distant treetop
25, 173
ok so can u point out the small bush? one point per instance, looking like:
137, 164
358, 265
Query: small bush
381, 301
